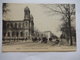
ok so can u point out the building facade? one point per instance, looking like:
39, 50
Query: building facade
19, 30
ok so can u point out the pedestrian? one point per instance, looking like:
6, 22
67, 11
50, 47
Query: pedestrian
44, 40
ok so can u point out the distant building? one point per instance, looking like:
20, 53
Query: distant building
47, 34
19, 29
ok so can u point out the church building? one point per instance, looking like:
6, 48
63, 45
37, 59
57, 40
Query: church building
19, 30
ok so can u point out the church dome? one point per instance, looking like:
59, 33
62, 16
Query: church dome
26, 8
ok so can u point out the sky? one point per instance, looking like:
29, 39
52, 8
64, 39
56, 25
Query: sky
43, 21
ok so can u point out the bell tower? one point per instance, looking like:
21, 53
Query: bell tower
27, 22
26, 13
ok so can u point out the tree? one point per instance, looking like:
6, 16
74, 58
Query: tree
5, 10
66, 10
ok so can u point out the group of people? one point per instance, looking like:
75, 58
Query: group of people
37, 39
45, 40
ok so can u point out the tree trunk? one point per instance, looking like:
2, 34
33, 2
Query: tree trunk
69, 21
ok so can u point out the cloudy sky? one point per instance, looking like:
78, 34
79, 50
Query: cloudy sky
43, 21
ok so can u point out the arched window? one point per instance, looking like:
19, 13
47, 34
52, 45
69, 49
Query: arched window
19, 25
21, 34
15, 25
11, 25
13, 34
22, 25
17, 34
8, 25
8, 34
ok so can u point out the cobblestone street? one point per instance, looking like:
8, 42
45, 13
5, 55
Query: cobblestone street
35, 46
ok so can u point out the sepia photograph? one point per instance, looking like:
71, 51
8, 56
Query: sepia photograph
38, 27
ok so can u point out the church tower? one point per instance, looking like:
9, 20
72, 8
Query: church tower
26, 13
28, 23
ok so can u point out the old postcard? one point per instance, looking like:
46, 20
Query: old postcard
38, 27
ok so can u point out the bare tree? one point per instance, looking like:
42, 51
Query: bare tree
5, 10
66, 10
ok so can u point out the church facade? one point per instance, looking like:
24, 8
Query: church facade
19, 30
